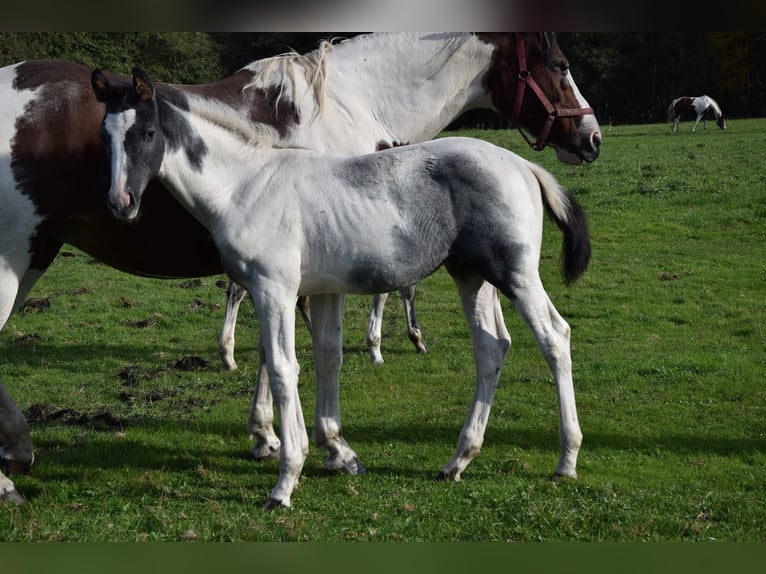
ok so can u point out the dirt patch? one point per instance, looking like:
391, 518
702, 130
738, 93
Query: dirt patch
101, 421
36, 305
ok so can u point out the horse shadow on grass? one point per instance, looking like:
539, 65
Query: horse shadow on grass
80, 458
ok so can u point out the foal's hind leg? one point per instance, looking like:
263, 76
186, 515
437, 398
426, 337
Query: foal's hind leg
552, 333
491, 343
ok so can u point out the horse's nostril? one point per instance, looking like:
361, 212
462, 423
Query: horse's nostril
596, 140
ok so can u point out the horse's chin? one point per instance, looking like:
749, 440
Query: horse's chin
566, 156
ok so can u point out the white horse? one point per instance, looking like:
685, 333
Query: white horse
703, 107
290, 222
355, 96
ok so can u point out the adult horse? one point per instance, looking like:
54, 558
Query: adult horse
290, 222
397, 88
703, 107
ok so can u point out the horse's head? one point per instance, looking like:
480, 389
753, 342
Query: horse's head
531, 85
131, 131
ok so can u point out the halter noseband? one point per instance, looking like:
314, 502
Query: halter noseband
526, 79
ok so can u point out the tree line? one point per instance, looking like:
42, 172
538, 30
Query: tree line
628, 77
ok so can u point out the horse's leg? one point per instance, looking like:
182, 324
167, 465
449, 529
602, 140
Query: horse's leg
260, 422
413, 329
694, 127
676, 121
276, 313
375, 325
234, 296
16, 454
552, 333
374, 328
491, 342
304, 306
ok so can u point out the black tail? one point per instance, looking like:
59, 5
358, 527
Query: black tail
575, 252
570, 217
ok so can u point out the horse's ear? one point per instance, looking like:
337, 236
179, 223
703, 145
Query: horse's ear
142, 85
100, 85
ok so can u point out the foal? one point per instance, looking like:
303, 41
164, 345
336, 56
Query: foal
290, 222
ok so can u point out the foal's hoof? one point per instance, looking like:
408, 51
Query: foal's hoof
12, 496
263, 451
273, 503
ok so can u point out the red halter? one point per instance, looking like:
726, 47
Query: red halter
526, 79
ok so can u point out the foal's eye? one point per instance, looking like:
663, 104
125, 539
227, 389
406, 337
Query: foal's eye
149, 135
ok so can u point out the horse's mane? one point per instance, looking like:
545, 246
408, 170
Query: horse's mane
254, 134
282, 70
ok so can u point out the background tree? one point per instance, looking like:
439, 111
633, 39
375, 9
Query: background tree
628, 77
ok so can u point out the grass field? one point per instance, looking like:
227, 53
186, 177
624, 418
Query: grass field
140, 434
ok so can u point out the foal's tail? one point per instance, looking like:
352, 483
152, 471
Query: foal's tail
570, 217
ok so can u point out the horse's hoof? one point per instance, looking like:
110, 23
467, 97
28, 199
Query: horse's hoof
447, 475
273, 503
12, 496
262, 452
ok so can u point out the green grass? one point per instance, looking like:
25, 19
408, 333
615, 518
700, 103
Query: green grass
668, 353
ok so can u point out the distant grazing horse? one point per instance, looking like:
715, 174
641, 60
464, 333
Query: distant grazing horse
290, 222
356, 96
703, 107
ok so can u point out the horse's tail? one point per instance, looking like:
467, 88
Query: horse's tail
570, 218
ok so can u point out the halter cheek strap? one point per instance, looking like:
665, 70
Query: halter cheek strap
526, 79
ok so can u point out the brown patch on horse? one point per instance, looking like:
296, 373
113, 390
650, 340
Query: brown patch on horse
261, 105
61, 164
684, 107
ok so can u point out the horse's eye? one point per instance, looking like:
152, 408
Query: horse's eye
149, 135
562, 67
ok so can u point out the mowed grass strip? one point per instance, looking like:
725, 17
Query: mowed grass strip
140, 434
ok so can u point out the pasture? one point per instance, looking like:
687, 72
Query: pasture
140, 435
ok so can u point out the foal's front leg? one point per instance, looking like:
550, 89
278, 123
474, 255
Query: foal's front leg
327, 321
276, 313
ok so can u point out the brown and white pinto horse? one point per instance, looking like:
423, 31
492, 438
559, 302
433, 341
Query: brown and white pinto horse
703, 107
54, 168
